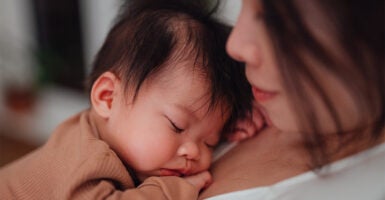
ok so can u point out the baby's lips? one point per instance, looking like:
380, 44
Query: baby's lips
170, 172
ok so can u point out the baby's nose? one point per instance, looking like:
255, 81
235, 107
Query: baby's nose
190, 150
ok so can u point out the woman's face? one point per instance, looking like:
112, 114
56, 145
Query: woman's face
250, 43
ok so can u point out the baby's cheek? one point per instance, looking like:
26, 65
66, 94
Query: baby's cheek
206, 159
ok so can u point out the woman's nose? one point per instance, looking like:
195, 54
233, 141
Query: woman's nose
234, 46
190, 150
242, 46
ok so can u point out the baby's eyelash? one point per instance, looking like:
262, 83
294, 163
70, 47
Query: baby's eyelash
210, 146
176, 128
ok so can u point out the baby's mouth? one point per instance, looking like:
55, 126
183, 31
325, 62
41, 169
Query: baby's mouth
173, 172
170, 172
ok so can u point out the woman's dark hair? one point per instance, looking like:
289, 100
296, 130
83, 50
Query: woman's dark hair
357, 29
150, 34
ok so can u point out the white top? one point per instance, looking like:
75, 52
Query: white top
358, 177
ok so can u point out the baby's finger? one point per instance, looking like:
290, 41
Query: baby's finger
200, 180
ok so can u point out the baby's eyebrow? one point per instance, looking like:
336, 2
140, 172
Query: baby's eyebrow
186, 109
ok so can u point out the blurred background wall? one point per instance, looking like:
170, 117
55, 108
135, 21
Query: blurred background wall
46, 49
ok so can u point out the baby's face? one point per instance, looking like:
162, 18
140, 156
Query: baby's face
168, 130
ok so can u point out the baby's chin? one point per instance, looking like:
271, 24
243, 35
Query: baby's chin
142, 177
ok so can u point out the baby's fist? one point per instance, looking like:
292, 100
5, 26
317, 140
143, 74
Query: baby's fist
248, 126
200, 180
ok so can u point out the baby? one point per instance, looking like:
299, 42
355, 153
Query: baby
162, 91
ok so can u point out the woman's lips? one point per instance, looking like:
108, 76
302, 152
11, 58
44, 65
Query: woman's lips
262, 95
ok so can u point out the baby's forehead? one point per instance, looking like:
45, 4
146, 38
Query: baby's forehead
190, 73
190, 68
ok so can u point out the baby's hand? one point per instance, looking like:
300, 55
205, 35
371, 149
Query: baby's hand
200, 180
248, 126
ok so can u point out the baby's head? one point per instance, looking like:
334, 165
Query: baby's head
163, 88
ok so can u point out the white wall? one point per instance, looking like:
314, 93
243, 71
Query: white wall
229, 10
16, 42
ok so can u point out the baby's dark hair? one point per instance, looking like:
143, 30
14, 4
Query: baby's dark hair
150, 33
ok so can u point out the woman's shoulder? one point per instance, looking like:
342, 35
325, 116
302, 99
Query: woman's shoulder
262, 160
360, 176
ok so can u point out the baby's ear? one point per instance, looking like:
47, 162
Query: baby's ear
103, 92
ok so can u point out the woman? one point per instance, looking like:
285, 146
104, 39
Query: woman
317, 72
